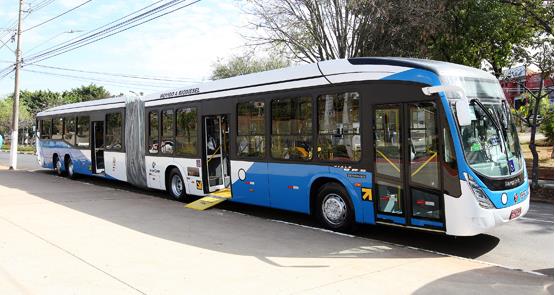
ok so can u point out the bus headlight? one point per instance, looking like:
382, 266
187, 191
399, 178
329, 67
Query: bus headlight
504, 198
479, 194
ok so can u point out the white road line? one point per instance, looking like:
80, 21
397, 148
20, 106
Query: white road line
538, 220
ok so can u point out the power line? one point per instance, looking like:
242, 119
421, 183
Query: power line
124, 83
91, 31
132, 76
40, 5
46, 55
57, 16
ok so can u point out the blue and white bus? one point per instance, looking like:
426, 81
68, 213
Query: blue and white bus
404, 142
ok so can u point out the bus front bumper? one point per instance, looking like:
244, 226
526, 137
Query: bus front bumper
464, 217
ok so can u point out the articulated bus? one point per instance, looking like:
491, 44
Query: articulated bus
404, 142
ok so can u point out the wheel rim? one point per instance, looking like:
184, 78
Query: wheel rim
177, 186
334, 209
70, 168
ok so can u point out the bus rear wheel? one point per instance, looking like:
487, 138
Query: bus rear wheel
334, 209
176, 186
70, 172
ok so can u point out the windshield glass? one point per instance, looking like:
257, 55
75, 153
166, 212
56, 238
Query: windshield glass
490, 142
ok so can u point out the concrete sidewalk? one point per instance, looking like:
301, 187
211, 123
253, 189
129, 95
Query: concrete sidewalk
69, 237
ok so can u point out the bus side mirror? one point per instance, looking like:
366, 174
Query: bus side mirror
463, 112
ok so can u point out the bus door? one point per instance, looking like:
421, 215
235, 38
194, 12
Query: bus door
406, 165
97, 147
216, 152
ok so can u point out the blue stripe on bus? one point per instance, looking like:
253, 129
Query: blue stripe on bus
424, 222
396, 219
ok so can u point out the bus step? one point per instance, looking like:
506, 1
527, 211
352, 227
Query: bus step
211, 200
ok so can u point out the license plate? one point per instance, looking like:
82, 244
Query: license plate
515, 213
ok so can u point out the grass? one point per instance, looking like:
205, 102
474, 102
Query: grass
21, 148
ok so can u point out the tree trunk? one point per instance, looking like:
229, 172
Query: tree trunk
532, 145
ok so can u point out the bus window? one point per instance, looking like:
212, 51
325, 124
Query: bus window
57, 128
46, 126
250, 129
186, 136
387, 134
114, 131
83, 131
167, 143
292, 128
69, 130
338, 127
423, 144
153, 132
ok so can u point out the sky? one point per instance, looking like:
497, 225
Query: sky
182, 45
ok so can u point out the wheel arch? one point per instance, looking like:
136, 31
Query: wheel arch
320, 180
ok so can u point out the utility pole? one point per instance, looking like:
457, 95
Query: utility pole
15, 119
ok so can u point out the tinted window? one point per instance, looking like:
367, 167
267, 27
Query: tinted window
339, 127
57, 128
46, 126
250, 125
83, 131
114, 131
186, 136
153, 132
168, 144
292, 128
69, 130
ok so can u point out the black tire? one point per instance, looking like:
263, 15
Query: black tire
70, 173
175, 185
58, 166
339, 215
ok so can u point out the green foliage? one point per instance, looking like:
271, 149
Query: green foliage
6, 111
546, 126
85, 93
242, 65
477, 30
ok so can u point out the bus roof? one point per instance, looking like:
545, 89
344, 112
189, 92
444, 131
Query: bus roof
321, 73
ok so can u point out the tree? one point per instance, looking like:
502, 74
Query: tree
85, 93
242, 65
313, 30
478, 30
36, 101
6, 107
540, 54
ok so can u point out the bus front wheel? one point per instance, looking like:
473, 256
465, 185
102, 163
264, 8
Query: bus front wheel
58, 166
334, 209
176, 186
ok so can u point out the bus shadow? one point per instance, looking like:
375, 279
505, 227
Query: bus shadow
235, 228
480, 281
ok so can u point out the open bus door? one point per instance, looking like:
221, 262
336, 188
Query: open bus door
216, 153
97, 147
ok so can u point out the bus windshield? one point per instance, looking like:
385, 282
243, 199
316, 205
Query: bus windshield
490, 142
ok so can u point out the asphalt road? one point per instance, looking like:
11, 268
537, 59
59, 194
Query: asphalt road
525, 244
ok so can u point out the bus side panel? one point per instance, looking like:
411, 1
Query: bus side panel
359, 185
115, 165
82, 162
190, 170
250, 183
290, 185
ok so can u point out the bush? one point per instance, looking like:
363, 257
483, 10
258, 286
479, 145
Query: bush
547, 125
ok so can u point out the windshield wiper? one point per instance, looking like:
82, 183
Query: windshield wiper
499, 130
